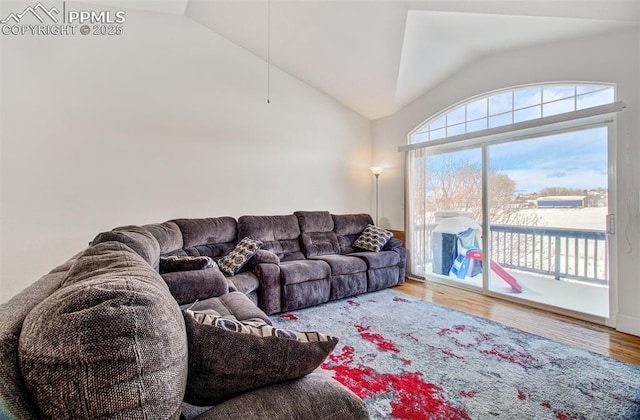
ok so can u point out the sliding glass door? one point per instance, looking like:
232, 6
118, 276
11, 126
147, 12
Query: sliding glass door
543, 238
547, 220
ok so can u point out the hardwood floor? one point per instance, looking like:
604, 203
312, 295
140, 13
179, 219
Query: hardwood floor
583, 334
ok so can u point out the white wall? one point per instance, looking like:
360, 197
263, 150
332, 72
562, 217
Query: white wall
168, 120
610, 57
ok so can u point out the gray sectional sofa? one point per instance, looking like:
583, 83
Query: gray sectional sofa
316, 261
104, 334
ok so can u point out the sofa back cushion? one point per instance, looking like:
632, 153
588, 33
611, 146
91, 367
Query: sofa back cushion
213, 237
348, 228
317, 233
168, 235
15, 400
279, 234
109, 345
136, 238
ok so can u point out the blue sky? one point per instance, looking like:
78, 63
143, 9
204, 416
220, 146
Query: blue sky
571, 160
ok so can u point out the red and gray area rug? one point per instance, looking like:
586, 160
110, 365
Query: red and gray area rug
411, 359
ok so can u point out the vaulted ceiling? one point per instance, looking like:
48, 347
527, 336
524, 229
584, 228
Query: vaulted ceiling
376, 56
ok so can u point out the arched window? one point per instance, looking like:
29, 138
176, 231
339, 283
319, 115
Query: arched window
510, 106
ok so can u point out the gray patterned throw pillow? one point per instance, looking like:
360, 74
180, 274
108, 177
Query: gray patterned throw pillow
229, 357
373, 238
231, 263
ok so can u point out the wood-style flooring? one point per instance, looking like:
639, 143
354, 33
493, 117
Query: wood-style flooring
583, 334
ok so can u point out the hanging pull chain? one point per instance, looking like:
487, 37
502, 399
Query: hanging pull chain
268, 51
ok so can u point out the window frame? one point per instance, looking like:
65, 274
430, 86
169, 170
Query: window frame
460, 127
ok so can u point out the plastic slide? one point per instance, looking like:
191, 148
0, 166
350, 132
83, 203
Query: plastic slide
497, 268
508, 278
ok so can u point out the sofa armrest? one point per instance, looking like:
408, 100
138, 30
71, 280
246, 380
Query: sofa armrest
189, 286
392, 244
316, 396
263, 256
396, 246
269, 291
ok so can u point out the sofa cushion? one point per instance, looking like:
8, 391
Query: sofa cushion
343, 264
320, 243
15, 401
265, 355
231, 263
136, 238
189, 286
168, 236
279, 234
314, 221
315, 396
347, 228
118, 338
293, 272
317, 233
214, 230
373, 238
214, 251
233, 304
99, 261
379, 259
171, 263
245, 282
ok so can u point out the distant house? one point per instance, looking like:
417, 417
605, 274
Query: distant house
562, 201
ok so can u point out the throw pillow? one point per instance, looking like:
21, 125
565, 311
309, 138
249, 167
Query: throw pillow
373, 238
229, 357
231, 263
184, 263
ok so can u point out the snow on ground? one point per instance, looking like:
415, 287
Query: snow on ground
593, 218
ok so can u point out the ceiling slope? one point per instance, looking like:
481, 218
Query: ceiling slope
375, 57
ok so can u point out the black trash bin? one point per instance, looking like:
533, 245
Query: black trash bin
442, 245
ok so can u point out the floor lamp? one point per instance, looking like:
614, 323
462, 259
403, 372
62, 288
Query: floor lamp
377, 170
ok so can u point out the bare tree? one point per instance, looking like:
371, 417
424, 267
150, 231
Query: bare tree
555, 191
457, 185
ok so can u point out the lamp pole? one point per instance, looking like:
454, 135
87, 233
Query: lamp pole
376, 170
377, 176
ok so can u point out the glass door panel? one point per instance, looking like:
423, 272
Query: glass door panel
452, 216
548, 204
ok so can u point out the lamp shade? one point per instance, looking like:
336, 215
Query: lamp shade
377, 170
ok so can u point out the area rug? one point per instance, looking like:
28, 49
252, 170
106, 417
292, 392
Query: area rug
411, 359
